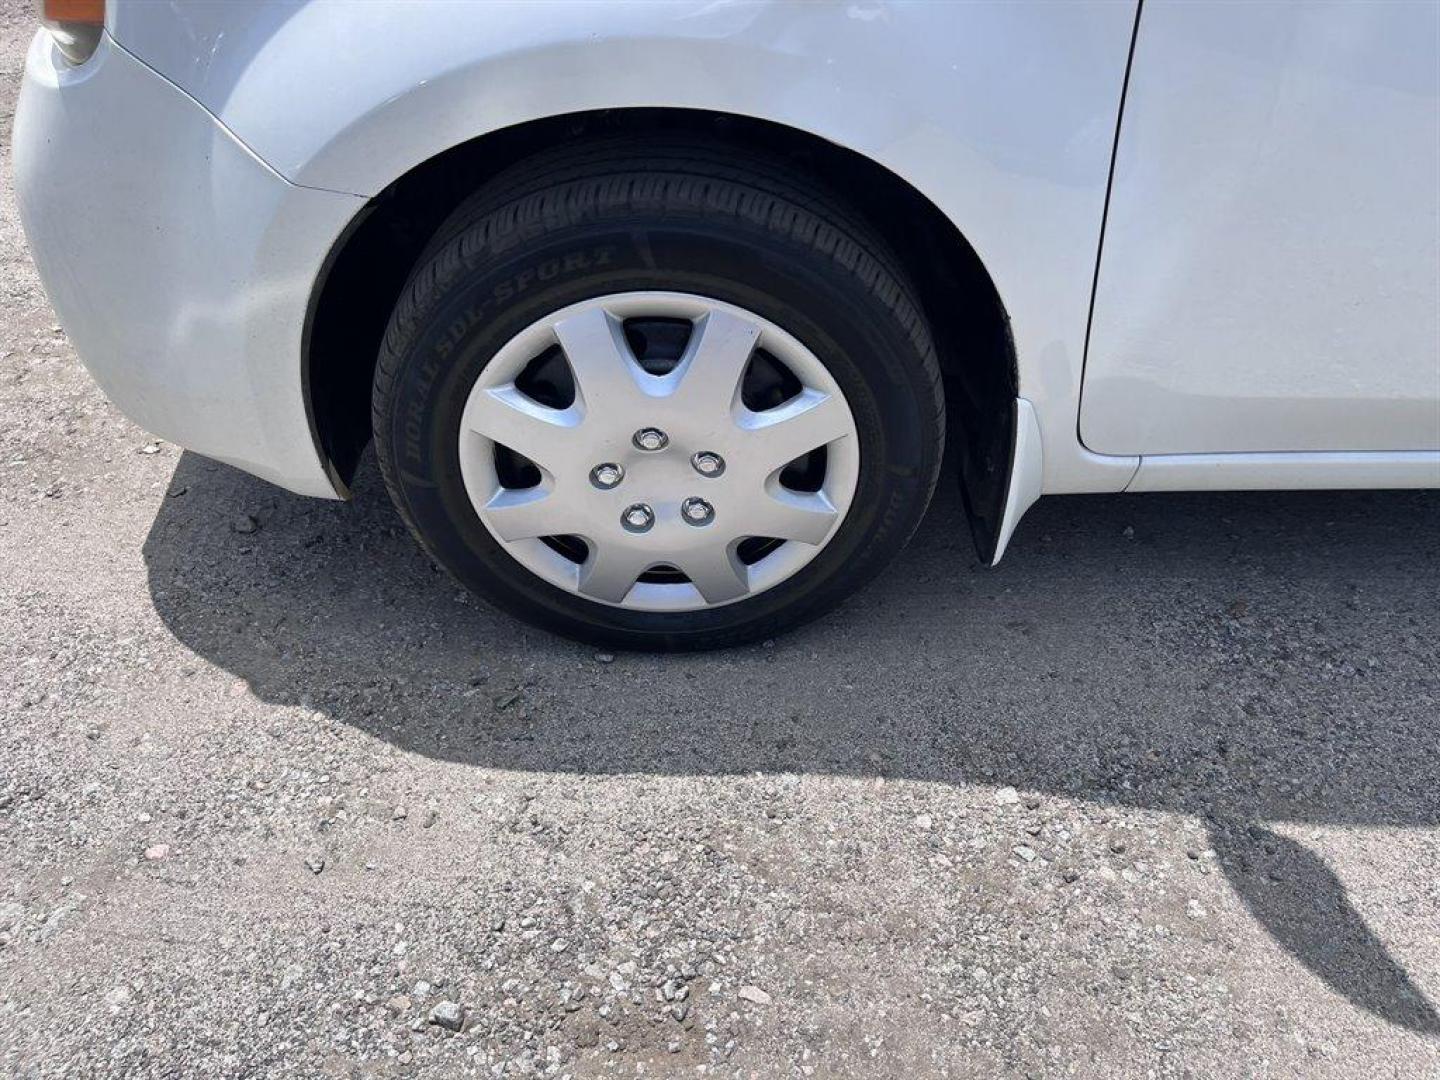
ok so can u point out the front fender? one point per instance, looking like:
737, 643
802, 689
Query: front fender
1001, 114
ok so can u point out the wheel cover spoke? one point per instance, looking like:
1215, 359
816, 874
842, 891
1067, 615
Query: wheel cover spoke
527, 513
808, 421
507, 416
806, 516
716, 573
611, 571
607, 376
716, 453
708, 375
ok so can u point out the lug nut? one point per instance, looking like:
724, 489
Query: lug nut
697, 512
650, 438
638, 518
708, 464
607, 475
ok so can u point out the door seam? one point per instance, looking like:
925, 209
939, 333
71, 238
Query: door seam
1104, 220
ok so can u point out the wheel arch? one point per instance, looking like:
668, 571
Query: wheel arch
370, 262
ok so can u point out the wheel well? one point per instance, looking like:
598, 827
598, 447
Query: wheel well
370, 263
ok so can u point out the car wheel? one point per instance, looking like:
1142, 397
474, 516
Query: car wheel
670, 400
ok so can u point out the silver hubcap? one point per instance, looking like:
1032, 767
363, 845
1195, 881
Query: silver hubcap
687, 508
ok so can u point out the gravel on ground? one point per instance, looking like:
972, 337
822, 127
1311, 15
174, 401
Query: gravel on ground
1156, 798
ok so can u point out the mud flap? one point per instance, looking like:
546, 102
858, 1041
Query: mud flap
1026, 472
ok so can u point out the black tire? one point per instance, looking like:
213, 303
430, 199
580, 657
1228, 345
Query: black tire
606, 218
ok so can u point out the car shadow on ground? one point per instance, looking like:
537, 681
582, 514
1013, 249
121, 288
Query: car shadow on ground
1250, 659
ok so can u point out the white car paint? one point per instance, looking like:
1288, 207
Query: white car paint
182, 189
180, 264
1027, 475
1270, 278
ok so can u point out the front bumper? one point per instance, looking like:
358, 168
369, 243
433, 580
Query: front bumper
179, 264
